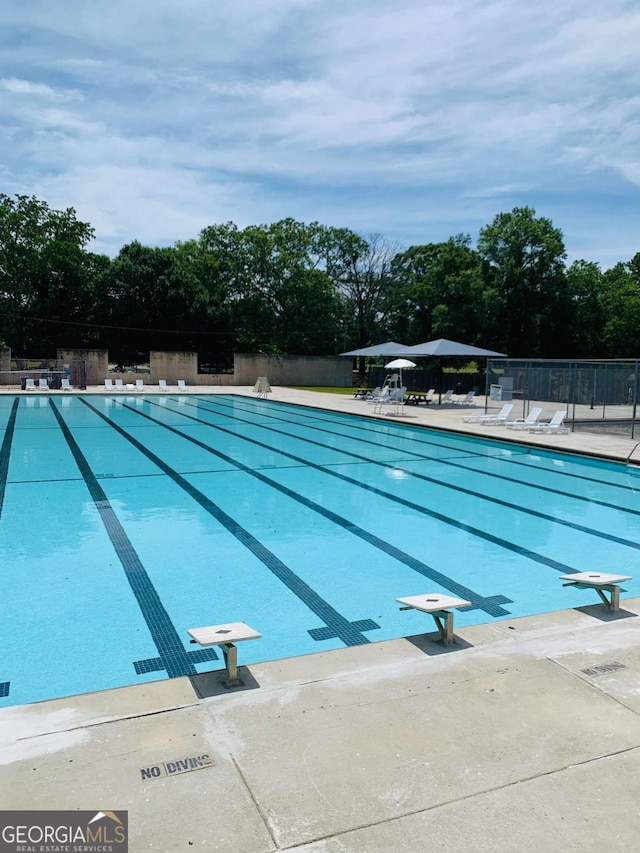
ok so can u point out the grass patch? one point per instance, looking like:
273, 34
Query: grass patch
323, 389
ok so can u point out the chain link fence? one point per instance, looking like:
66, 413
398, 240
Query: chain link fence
599, 396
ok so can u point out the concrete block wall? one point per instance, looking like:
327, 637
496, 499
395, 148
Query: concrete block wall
97, 361
293, 370
173, 366
280, 370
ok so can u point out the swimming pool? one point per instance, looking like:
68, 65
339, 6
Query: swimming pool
126, 520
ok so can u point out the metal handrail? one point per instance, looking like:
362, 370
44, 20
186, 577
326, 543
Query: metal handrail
633, 450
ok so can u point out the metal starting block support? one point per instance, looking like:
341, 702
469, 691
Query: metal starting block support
225, 636
436, 604
602, 583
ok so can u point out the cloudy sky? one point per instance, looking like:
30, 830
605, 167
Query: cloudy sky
413, 119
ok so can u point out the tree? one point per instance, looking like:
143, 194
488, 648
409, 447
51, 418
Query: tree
363, 276
41, 267
438, 292
621, 303
585, 287
149, 299
525, 257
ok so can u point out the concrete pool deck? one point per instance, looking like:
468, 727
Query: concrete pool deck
523, 735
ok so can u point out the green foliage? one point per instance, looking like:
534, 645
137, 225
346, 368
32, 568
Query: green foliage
525, 271
43, 269
438, 292
621, 303
308, 289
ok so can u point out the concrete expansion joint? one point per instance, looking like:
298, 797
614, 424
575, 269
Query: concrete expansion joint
457, 800
263, 816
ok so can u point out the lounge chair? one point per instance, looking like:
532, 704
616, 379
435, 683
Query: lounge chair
487, 419
524, 423
65, 385
43, 384
448, 398
162, 385
468, 400
556, 424
119, 385
29, 385
390, 396
139, 385
182, 385
373, 395
108, 384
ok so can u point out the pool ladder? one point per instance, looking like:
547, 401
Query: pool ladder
633, 450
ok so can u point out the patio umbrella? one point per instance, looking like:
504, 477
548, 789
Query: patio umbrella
399, 364
443, 347
388, 348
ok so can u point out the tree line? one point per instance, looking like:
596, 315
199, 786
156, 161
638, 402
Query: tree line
307, 289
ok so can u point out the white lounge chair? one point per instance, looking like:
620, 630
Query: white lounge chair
468, 399
43, 384
162, 385
524, 423
65, 385
448, 398
119, 385
108, 385
390, 396
488, 419
139, 385
29, 385
182, 385
556, 424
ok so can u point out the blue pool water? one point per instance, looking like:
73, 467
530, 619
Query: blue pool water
126, 520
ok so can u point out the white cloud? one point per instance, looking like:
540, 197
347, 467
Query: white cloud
417, 120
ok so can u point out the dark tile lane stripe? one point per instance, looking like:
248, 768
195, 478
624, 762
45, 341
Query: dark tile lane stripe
5, 454
490, 604
434, 481
519, 452
5, 450
173, 656
341, 627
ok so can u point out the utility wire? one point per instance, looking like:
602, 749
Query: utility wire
105, 326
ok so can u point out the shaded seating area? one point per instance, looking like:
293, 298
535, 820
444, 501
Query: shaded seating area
363, 392
390, 396
417, 397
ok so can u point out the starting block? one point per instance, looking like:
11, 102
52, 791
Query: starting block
602, 583
225, 636
438, 606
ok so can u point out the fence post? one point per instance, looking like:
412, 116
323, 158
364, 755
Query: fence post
635, 399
